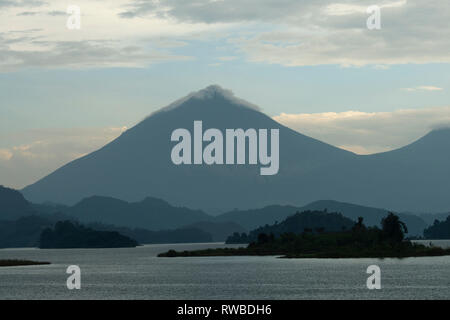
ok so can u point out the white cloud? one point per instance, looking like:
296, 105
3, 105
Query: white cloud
424, 88
365, 133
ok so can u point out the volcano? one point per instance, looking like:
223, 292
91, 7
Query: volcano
138, 164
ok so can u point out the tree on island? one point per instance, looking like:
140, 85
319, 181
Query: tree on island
393, 229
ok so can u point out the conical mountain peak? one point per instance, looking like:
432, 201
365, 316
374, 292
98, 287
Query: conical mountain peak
138, 164
212, 93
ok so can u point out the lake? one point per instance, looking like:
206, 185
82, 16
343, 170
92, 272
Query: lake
136, 273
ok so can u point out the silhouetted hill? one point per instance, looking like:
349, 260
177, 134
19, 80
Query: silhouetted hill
372, 216
150, 213
156, 214
413, 178
49, 208
300, 222
439, 230
297, 223
429, 218
67, 234
218, 230
251, 219
23, 232
144, 236
13, 205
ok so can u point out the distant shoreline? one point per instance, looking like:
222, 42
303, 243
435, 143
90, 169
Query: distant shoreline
17, 263
226, 252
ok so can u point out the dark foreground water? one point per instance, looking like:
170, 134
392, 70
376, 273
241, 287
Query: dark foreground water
138, 274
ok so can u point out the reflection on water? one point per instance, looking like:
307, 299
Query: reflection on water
136, 273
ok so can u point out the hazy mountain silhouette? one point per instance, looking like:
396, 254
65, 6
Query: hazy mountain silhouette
159, 216
150, 213
314, 221
69, 234
372, 216
138, 164
13, 205
439, 230
218, 230
254, 218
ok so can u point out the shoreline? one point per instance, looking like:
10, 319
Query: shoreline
18, 263
415, 252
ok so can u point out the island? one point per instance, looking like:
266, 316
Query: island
357, 242
68, 235
16, 263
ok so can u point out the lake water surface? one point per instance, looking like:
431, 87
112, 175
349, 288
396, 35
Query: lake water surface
136, 273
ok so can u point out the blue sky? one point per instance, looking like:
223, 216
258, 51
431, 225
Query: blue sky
312, 65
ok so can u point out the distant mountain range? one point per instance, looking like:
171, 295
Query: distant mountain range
150, 213
148, 221
138, 163
251, 219
154, 215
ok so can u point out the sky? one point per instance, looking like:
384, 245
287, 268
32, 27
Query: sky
313, 65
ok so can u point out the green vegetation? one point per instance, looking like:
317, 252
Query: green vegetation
358, 242
15, 263
67, 234
439, 230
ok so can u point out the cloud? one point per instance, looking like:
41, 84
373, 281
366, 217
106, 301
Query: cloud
424, 88
317, 32
57, 13
365, 133
39, 38
20, 3
5, 154
79, 54
227, 58
39, 152
285, 32
342, 9
27, 13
